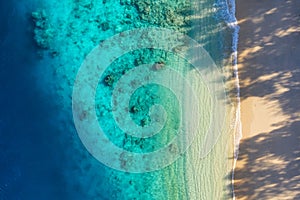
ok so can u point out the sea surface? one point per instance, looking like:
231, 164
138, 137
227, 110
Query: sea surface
45, 46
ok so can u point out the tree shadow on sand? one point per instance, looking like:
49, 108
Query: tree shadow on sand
272, 165
269, 55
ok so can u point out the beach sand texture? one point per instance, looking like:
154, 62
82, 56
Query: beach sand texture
268, 166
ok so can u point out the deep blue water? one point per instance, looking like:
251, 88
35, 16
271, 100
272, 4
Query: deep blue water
34, 156
34, 152
31, 156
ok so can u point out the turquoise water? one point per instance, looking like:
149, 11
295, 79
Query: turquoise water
66, 31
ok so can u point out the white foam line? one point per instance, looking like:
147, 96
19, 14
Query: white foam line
233, 24
238, 123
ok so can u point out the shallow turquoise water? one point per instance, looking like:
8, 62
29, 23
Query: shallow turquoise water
68, 30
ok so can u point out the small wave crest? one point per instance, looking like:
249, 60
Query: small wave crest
226, 12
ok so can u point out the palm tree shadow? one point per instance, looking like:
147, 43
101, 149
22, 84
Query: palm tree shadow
271, 164
270, 161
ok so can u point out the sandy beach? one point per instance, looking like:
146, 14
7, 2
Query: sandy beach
268, 166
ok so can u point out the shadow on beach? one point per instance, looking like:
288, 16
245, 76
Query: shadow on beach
269, 50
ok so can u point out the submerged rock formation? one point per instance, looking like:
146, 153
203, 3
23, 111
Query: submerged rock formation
43, 32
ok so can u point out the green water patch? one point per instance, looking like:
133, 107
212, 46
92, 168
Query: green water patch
68, 30
141, 100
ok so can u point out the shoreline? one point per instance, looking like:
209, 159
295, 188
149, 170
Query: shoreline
269, 75
233, 84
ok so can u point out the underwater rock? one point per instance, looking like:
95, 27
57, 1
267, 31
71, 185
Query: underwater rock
42, 38
126, 22
162, 14
125, 2
109, 80
134, 109
139, 61
88, 5
54, 54
128, 16
39, 15
43, 33
158, 65
105, 26
145, 122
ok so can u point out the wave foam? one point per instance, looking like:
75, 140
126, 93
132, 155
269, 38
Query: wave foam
226, 12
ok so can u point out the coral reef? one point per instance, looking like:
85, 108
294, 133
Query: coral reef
70, 33
163, 14
109, 80
43, 32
